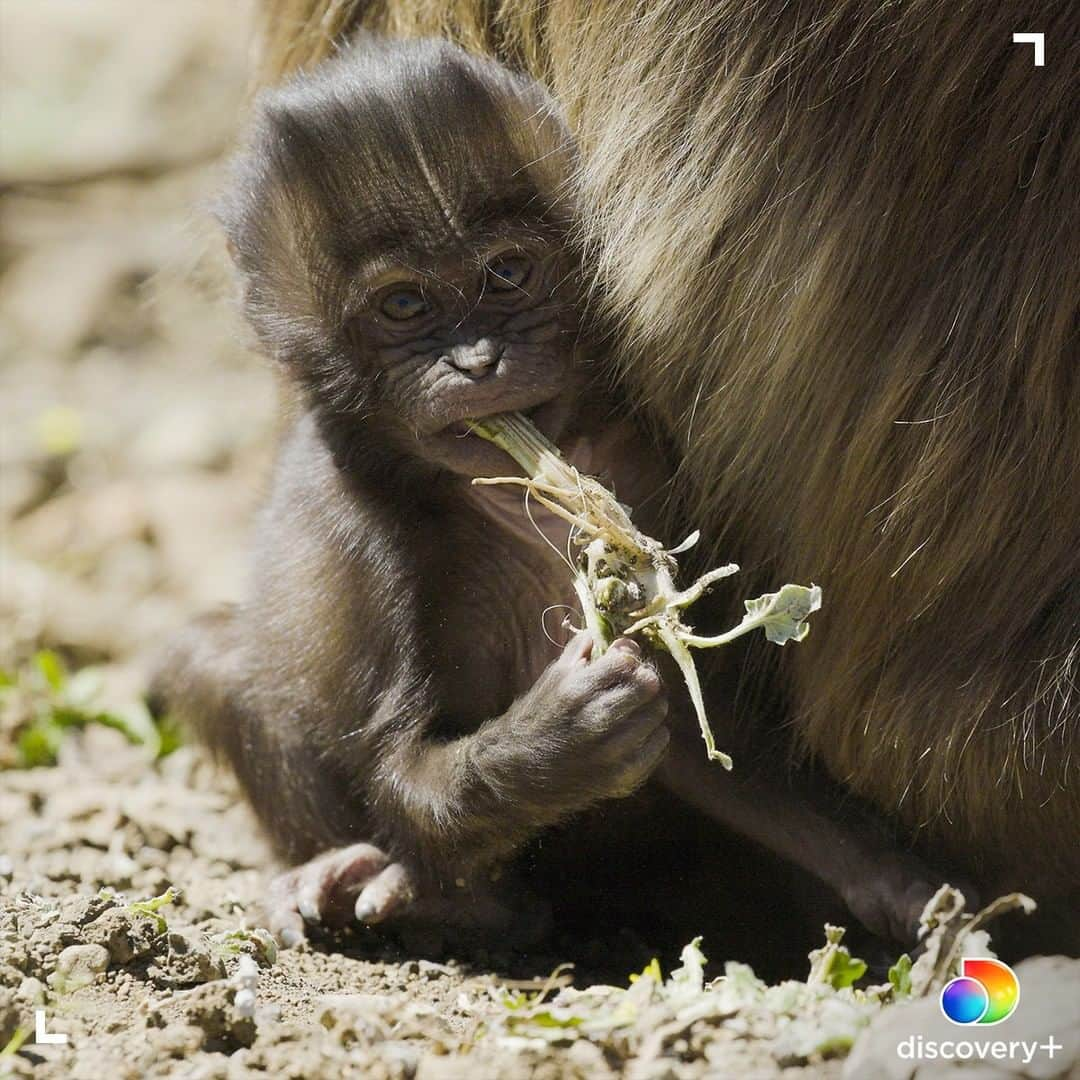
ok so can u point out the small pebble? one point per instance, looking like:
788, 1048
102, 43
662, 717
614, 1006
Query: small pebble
79, 965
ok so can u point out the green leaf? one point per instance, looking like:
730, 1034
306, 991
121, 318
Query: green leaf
900, 977
833, 964
51, 668
133, 720
38, 745
835, 1046
782, 615
845, 969
63, 716
18, 1037
150, 908
548, 1019
651, 970
170, 735
7, 679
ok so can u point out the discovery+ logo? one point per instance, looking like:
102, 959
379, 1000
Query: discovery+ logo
985, 992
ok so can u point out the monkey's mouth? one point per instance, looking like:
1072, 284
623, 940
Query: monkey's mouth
457, 447
546, 415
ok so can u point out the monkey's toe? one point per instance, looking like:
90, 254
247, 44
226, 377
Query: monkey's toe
323, 892
386, 894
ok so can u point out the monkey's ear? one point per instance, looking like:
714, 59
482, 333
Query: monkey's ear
233, 250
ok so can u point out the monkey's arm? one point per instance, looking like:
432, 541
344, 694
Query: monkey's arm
443, 811
586, 730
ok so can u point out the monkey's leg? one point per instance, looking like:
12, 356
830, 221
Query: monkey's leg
202, 678
586, 731
196, 676
884, 887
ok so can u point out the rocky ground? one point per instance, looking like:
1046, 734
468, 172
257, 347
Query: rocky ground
135, 430
145, 994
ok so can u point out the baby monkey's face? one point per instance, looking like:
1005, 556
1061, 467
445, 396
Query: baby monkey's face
484, 329
400, 221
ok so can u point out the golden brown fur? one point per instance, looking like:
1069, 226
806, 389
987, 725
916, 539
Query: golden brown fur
840, 239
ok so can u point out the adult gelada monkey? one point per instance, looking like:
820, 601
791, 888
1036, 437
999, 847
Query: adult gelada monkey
841, 243
387, 695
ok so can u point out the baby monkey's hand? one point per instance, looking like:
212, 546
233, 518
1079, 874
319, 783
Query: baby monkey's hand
596, 725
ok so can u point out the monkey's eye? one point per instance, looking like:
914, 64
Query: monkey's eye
403, 303
509, 272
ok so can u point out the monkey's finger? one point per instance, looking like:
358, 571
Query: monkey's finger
578, 648
634, 730
284, 920
627, 645
623, 655
386, 894
624, 684
645, 762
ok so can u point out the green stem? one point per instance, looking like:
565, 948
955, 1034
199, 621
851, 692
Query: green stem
696, 642
518, 438
595, 623
683, 657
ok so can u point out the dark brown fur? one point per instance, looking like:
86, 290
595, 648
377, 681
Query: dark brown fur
840, 241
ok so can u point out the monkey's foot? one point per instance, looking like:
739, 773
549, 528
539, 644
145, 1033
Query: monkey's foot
356, 882
890, 897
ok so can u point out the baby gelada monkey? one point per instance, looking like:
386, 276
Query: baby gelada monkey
395, 707
389, 695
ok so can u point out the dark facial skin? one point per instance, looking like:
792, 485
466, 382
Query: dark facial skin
482, 330
400, 714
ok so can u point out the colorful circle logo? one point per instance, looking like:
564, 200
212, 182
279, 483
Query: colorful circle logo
985, 992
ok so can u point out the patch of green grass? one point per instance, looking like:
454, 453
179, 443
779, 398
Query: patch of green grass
42, 702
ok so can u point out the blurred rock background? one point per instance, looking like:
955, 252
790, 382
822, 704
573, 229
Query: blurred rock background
134, 422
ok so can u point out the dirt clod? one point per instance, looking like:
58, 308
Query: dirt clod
78, 966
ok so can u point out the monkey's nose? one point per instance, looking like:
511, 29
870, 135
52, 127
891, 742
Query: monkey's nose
476, 361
